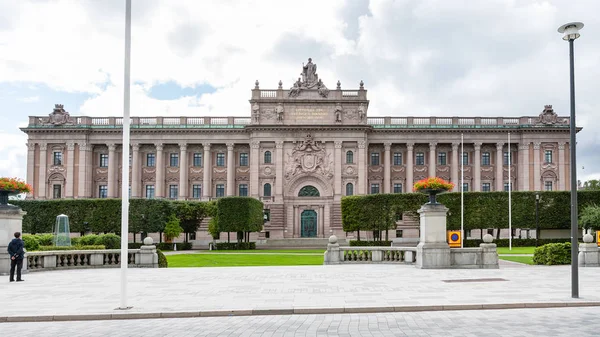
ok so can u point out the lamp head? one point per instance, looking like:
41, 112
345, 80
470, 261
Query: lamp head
570, 30
537, 196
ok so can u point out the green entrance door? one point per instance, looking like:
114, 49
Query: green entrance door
308, 224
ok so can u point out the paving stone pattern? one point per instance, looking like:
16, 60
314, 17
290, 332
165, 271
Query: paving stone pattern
580, 322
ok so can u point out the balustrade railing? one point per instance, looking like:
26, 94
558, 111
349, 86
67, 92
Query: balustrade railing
74, 259
367, 254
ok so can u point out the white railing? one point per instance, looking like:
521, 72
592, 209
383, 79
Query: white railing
466, 121
347, 93
268, 94
195, 121
348, 255
443, 121
218, 121
399, 121
148, 121
241, 121
511, 121
75, 259
489, 121
100, 121
376, 121
171, 121
421, 121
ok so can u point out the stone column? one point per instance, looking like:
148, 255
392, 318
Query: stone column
455, 167
136, 179
83, 170
362, 167
409, 166
432, 161
31, 166
159, 188
42, 183
338, 167
524, 166
206, 179
69, 188
477, 168
500, 166
433, 251
562, 171
183, 171
112, 168
387, 168
230, 170
536, 167
279, 179
254, 169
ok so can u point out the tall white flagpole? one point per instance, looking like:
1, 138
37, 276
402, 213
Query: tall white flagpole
509, 198
125, 177
462, 197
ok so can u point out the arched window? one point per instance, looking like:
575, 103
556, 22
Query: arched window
349, 189
309, 191
349, 157
267, 190
267, 157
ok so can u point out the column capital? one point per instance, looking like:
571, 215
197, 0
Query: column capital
561, 145
183, 147
84, 146
279, 144
536, 145
337, 144
159, 146
432, 145
524, 146
477, 146
70, 146
135, 147
410, 146
111, 146
255, 144
362, 144
230, 146
43, 146
455, 146
387, 146
30, 146
206, 146
499, 146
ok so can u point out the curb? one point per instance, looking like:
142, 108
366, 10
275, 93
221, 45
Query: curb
295, 311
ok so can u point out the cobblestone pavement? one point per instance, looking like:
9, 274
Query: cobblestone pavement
578, 322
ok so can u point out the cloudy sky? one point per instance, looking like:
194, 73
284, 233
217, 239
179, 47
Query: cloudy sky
193, 58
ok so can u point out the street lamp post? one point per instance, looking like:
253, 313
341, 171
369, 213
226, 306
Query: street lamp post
537, 218
570, 32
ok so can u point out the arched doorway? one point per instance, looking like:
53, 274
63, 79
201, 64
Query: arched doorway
308, 224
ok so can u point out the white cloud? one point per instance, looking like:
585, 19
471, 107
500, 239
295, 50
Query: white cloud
29, 99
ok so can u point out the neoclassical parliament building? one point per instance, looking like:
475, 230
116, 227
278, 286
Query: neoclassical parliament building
299, 150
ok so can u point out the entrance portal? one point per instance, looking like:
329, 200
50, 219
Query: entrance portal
308, 224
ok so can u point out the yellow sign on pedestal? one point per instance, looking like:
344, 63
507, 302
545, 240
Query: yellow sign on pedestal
454, 239
598, 237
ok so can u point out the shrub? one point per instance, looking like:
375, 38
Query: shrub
50, 248
169, 246
88, 240
31, 242
74, 242
235, 245
553, 253
370, 243
110, 241
162, 259
47, 239
515, 242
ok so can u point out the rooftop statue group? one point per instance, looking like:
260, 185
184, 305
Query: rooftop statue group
308, 80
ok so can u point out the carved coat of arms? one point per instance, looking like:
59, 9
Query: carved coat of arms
309, 157
59, 116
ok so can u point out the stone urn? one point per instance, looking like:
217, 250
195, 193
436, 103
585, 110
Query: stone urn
432, 193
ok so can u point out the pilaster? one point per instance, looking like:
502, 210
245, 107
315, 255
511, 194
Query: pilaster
387, 167
254, 169
279, 179
562, 171
136, 179
42, 183
183, 171
362, 167
31, 165
454, 168
500, 166
112, 168
477, 168
432, 161
230, 170
524, 166
84, 170
536, 167
206, 178
69, 185
409, 166
338, 167
159, 189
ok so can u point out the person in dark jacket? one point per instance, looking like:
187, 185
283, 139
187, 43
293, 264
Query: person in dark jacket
16, 252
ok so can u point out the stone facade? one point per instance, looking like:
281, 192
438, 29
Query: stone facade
299, 151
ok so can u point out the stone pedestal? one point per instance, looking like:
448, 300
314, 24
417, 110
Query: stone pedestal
433, 251
11, 221
147, 256
589, 253
332, 255
489, 255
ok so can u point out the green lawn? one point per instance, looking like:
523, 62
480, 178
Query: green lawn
515, 250
520, 259
269, 251
229, 260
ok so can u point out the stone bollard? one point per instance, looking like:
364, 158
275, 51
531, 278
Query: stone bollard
589, 254
489, 253
332, 254
147, 256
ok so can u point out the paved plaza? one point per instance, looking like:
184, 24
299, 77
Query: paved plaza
580, 322
184, 292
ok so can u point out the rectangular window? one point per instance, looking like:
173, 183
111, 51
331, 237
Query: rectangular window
485, 159
374, 158
399, 233
548, 185
56, 191
243, 159
102, 191
174, 159
420, 158
150, 159
548, 156
507, 187
197, 159
465, 158
486, 187
220, 159
243, 190
506, 158
266, 215
397, 158
220, 190
397, 188
196, 191
103, 160
149, 191
173, 191
441, 158
465, 187
57, 158
374, 188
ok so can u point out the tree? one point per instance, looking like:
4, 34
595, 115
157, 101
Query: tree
590, 217
191, 214
239, 214
592, 185
172, 228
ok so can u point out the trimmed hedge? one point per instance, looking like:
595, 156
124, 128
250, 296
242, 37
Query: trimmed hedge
553, 253
110, 241
235, 245
515, 242
169, 246
239, 214
482, 209
162, 259
354, 243
92, 247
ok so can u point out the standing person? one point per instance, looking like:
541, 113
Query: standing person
15, 250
